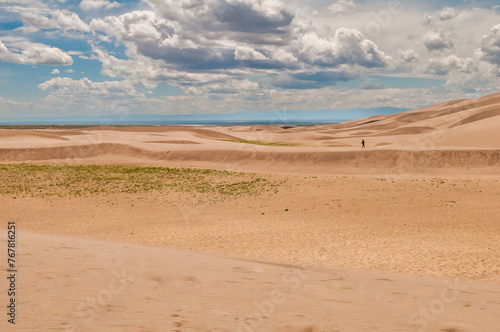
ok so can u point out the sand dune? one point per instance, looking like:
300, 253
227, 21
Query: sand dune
200, 132
438, 117
11, 133
273, 129
472, 134
492, 111
270, 158
406, 131
173, 142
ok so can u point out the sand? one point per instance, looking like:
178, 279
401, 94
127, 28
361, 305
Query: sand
399, 236
89, 285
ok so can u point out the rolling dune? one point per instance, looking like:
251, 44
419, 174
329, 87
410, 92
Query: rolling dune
200, 132
13, 133
274, 157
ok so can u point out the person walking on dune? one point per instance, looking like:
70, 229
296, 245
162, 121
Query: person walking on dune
363, 143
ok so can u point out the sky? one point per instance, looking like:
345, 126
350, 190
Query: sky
95, 57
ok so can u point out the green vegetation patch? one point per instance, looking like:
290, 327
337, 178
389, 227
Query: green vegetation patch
86, 180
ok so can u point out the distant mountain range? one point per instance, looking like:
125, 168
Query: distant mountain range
270, 118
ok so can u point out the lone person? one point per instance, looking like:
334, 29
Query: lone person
363, 143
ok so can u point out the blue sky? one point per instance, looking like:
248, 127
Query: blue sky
95, 57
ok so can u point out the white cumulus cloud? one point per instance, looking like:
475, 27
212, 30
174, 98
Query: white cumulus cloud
30, 53
437, 40
408, 55
52, 19
342, 7
489, 50
447, 13
98, 4
348, 46
247, 53
443, 66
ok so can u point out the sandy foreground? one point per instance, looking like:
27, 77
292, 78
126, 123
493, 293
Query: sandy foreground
297, 229
70, 284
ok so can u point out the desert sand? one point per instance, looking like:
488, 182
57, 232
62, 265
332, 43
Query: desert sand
89, 285
400, 236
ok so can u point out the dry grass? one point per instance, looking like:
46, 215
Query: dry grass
31, 180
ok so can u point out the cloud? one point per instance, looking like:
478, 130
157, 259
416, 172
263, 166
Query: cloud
243, 16
67, 86
447, 13
98, 4
149, 72
437, 41
201, 36
226, 87
311, 80
481, 80
69, 71
369, 85
30, 53
10, 108
247, 53
266, 16
283, 56
135, 26
408, 55
85, 95
381, 98
443, 66
348, 46
55, 72
427, 20
177, 37
342, 7
51, 19
489, 49
207, 48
